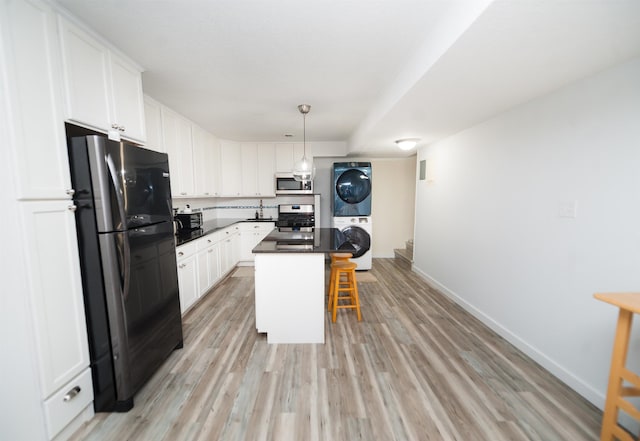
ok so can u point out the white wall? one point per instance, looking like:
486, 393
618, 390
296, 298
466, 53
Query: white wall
490, 234
392, 204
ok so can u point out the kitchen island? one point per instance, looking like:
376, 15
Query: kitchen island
290, 283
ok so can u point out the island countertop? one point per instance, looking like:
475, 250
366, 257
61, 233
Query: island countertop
322, 240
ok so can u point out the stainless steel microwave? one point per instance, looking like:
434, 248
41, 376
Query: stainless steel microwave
286, 184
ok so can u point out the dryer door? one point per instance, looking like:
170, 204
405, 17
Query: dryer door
359, 238
353, 186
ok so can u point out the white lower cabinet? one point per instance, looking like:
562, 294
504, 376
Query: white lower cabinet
57, 305
187, 275
203, 262
251, 234
208, 262
68, 402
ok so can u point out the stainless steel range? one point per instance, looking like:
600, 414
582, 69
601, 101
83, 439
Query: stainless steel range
293, 217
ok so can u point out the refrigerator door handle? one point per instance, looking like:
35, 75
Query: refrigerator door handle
117, 189
126, 267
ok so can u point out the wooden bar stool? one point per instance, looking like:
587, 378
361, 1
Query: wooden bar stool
348, 284
629, 303
335, 257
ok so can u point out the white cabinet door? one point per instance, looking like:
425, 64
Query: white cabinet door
213, 264
249, 167
215, 174
225, 255
32, 70
102, 89
176, 132
153, 124
235, 246
251, 234
86, 76
55, 292
284, 158
188, 282
127, 99
231, 169
266, 165
205, 162
287, 154
203, 272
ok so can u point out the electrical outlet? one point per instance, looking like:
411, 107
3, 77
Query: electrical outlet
568, 209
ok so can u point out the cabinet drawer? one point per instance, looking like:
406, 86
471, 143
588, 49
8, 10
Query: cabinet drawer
66, 404
186, 250
208, 240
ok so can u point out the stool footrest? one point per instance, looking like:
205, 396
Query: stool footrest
629, 408
621, 434
630, 392
631, 377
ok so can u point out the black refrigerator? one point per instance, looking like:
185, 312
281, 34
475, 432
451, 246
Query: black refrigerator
128, 264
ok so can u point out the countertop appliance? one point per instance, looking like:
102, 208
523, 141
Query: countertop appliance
188, 221
286, 184
128, 264
293, 217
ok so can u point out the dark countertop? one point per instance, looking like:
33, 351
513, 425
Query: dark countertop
322, 240
212, 226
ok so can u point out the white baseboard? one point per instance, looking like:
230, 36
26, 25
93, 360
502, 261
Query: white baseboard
586, 390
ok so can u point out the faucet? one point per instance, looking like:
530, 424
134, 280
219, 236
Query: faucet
261, 207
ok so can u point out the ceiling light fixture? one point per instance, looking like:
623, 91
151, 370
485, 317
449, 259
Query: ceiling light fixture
407, 143
303, 169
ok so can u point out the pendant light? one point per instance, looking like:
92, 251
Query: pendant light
303, 169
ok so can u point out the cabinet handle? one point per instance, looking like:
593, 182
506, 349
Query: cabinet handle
182, 265
183, 193
71, 192
122, 128
115, 126
256, 226
209, 240
206, 194
210, 251
180, 253
72, 208
71, 394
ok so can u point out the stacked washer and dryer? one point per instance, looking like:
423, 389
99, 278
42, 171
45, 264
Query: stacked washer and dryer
352, 207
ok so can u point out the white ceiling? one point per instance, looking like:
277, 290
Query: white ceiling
372, 70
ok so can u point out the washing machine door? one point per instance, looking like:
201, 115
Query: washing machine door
359, 238
353, 186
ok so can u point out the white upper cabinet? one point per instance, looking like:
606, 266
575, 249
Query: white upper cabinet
266, 170
32, 69
177, 141
249, 168
153, 124
231, 169
103, 90
206, 162
258, 169
287, 154
128, 100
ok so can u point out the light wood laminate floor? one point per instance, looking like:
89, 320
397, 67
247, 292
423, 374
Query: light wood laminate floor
418, 367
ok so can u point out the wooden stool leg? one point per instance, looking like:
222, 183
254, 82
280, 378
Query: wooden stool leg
336, 293
331, 291
618, 361
356, 298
